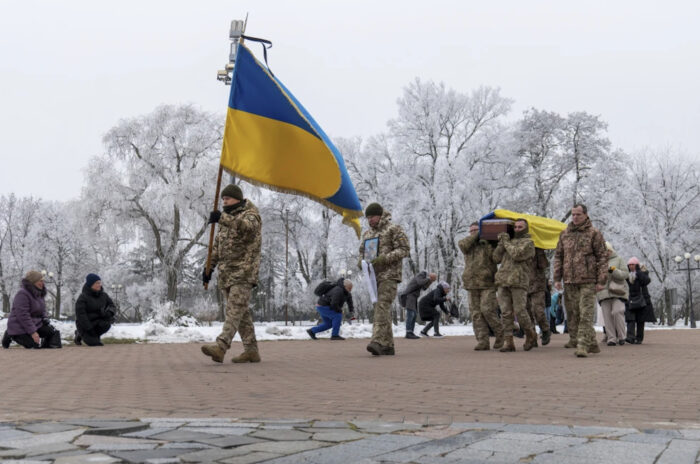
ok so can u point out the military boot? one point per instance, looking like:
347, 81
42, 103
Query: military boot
572, 343
215, 352
248, 356
530, 340
508, 345
498, 344
483, 345
388, 350
581, 352
546, 337
594, 348
375, 348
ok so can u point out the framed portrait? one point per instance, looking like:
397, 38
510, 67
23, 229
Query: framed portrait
371, 249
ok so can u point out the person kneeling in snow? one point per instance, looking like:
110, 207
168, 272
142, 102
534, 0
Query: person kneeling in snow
330, 307
94, 312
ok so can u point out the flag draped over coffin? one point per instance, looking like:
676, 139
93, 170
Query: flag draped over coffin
543, 231
270, 139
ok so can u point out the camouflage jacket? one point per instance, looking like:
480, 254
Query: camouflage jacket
393, 247
514, 255
237, 246
479, 267
538, 272
581, 256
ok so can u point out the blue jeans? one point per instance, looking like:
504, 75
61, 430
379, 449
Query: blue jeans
330, 319
410, 320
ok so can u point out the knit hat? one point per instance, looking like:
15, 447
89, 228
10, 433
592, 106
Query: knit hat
90, 279
633, 260
445, 286
33, 277
374, 209
232, 191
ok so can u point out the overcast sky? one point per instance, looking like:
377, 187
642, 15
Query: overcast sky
70, 70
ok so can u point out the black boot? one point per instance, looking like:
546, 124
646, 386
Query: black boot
6, 340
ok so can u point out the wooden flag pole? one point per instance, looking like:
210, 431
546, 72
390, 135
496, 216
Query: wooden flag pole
213, 225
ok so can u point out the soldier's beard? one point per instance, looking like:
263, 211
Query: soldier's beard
520, 234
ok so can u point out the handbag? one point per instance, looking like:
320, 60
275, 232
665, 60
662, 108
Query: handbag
617, 288
637, 302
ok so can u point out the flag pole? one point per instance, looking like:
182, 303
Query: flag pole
226, 76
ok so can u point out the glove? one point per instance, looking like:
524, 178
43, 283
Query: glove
214, 217
206, 277
503, 236
611, 269
379, 263
109, 311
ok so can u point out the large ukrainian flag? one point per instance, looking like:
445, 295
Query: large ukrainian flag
271, 139
543, 231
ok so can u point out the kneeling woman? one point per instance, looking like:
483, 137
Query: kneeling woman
427, 308
28, 323
94, 312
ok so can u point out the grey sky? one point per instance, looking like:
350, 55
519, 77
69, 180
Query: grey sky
70, 70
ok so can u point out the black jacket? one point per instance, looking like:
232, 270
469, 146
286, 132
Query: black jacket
336, 297
427, 304
408, 298
92, 306
639, 287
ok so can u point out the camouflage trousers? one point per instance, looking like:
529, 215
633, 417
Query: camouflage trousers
238, 318
382, 332
535, 309
579, 301
482, 307
513, 301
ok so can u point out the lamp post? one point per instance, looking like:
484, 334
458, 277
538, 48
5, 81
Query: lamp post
49, 277
116, 290
688, 268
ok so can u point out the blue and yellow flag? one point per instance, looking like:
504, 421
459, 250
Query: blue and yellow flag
543, 231
270, 139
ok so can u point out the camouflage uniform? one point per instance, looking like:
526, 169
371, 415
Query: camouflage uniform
237, 253
513, 279
581, 261
393, 247
535, 295
478, 280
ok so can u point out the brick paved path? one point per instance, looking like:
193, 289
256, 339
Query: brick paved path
430, 381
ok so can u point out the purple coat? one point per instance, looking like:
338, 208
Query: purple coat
28, 310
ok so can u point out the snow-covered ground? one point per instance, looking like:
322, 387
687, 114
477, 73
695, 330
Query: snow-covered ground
152, 332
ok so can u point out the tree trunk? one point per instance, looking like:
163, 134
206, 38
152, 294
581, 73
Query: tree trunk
171, 279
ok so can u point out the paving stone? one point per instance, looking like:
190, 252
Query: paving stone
219, 430
544, 429
385, 427
47, 427
283, 447
519, 448
521, 436
338, 435
148, 432
478, 425
600, 431
597, 450
645, 438
663, 432
680, 452
360, 449
230, 441
250, 458
468, 454
89, 440
42, 439
48, 449
117, 429
690, 434
184, 435
186, 445
100, 423
65, 454
24, 461
12, 454
122, 447
146, 455
174, 460
330, 425
208, 455
93, 458
287, 435
436, 447
13, 434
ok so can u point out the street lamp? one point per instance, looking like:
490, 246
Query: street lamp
687, 269
235, 35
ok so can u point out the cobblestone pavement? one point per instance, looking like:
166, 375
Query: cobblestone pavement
173, 440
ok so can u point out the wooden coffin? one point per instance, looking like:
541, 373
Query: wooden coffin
490, 228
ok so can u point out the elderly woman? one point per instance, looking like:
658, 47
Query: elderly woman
28, 323
612, 299
638, 306
427, 308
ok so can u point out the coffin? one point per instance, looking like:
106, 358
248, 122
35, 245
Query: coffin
490, 228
